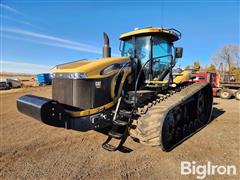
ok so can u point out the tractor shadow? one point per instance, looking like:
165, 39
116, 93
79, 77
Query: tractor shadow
216, 112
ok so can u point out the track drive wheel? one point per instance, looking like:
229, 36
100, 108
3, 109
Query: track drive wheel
168, 129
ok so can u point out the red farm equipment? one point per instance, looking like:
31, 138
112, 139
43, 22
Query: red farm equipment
226, 86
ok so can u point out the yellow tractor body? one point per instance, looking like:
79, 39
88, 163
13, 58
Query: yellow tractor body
135, 94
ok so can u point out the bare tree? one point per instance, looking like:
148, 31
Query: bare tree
187, 67
196, 64
227, 57
211, 69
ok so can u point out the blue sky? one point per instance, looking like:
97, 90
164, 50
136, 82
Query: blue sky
37, 35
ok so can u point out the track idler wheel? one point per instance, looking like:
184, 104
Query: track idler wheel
191, 127
178, 114
168, 129
185, 130
200, 109
178, 134
195, 124
200, 104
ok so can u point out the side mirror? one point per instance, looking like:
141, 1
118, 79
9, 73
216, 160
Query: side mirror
178, 51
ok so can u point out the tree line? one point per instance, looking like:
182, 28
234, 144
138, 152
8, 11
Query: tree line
225, 61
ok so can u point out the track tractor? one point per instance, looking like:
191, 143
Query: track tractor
133, 95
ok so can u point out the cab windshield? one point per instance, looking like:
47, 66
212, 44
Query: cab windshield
142, 47
147, 47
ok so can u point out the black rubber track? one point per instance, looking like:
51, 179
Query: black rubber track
166, 125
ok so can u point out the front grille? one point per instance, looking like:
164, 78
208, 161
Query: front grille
63, 91
82, 93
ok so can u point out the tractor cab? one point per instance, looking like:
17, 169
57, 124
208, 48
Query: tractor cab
152, 50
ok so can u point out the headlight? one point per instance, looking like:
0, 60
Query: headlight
74, 75
77, 75
52, 75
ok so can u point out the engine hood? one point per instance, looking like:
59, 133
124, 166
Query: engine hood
91, 68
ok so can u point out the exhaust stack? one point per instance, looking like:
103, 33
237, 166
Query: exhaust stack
106, 48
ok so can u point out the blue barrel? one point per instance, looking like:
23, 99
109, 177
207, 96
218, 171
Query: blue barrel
44, 78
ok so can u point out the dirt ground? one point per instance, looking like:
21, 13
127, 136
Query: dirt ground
31, 150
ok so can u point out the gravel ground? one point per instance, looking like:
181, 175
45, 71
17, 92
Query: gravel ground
31, 150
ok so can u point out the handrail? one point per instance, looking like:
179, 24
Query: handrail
118, 73
139, 74
178, 33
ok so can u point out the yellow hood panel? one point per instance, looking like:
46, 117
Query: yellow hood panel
90, 67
